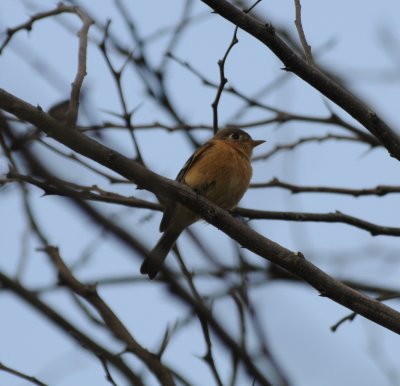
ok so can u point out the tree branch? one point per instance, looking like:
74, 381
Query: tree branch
21, 375
248, 238
334, 217
311, 74
380, 190
67, 328
302, 35
114, 324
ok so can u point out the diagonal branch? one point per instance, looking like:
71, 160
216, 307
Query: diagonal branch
89, 293
247, 237
68, 328
18, 374
311, 74
61, 8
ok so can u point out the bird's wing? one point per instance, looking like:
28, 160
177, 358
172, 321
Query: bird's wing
196, 156
169, 206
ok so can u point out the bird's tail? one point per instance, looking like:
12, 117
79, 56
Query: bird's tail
153, 262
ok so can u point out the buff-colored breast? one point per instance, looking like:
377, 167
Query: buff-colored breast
222, 175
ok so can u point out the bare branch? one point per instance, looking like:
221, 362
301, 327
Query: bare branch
301, 141
222, 80
127, 115
109, 377
293, 262
61, 8
336, 217
82, 34
67, 327
352, 316
81, 72
18, 374
380, 190
312, 75
90, 294
93, 193
302, 36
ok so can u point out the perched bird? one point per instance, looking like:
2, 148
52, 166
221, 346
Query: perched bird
220, 170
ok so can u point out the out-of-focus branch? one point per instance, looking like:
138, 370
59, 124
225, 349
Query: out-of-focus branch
68, 328
74, 157
82, 34
21, 375
61, 8
114, 324
201, 310
280, 116
311, 74
127, 115
93, 193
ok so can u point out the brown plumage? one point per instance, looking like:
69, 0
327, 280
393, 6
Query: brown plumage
220, 170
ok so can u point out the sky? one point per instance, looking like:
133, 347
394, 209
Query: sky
358, 41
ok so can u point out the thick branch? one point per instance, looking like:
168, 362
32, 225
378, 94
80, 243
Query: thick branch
247, 237
311, 74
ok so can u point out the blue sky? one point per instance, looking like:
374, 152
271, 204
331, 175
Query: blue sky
353, 39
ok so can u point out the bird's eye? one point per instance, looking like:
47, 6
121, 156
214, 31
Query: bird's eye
235, 136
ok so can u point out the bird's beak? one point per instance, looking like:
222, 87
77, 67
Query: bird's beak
257, 142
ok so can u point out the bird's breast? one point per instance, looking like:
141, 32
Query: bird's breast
222, 175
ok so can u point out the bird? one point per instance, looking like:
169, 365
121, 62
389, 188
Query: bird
220, 170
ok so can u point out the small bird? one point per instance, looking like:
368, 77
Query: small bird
220, 170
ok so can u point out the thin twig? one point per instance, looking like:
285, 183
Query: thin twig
208, 356
248, 238
302, 35
17, 373
332, 217
222, 80
280, 116
72, 115
61, 8
109, 377
114, 324
93, 193
117, 75
380, 190
316, 78
73, 156
66, 327
301, 141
